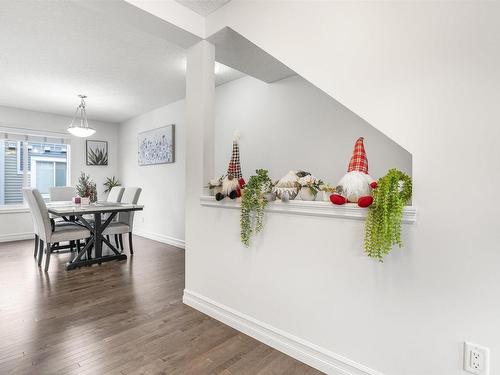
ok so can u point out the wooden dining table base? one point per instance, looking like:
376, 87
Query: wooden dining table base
95, 241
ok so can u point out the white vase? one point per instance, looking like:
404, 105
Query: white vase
85, 201
306, 194
323, 196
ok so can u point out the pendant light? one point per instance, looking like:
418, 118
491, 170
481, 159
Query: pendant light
81, 128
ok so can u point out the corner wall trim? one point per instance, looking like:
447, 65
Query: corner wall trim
311, 354
16, 237
161, 238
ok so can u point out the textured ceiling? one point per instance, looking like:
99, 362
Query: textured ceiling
203, 7
52, 51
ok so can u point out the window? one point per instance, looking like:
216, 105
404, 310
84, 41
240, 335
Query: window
31, 164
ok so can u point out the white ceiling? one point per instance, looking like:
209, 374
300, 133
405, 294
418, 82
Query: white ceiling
203, 7
52, 51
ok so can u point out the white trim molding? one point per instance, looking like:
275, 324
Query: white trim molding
16, 237
311, 354
310, 208
161, 238
13, 209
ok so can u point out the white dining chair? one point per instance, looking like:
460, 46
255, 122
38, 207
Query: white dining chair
125, 221
28, 197
62, 193
115, 194
50, 234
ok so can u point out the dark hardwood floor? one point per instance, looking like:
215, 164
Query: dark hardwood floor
118, 318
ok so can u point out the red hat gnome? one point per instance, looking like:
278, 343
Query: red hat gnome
233, 182
356, 186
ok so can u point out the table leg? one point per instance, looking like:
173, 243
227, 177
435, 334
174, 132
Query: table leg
97, 235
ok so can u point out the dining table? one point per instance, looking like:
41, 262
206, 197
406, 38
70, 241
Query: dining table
103, 213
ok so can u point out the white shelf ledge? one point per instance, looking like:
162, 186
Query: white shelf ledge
309, 208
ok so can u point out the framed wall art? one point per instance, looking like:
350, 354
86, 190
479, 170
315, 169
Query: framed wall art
156, 146
97, 152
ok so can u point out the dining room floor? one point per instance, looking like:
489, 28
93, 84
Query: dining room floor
117, 318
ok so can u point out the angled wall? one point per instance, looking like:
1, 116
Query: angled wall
425, 74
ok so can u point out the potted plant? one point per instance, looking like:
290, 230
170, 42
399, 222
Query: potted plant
383, 223
325, 190
309, 187
253, 202
86, 189
111, 183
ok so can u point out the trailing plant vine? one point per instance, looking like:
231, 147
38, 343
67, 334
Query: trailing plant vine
253, 203
383, 223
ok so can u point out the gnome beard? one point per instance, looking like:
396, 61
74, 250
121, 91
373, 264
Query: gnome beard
231, 187
355, 187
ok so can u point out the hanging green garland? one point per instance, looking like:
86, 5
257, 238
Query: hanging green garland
383, 223
253, 201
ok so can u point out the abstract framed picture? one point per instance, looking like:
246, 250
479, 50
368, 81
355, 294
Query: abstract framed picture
156, 146
97, 152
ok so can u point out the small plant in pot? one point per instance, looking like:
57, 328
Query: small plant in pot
111, 183
86, 189
383, 223
253, 202
309, 187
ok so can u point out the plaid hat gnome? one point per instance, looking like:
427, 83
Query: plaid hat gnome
233, 182
356, 186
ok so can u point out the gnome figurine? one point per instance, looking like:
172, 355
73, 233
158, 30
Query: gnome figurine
233, 182
356, 186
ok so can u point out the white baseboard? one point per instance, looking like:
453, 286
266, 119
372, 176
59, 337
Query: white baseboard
161, 238
16, 237
311, 354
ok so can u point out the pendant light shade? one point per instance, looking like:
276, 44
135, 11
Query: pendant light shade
79, 126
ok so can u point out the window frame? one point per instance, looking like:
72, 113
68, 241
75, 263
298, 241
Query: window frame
51, 159
22, 207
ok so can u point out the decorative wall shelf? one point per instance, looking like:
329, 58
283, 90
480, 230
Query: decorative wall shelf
310, 208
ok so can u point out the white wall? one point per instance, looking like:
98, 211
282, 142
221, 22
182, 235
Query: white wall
19, 225
290, 124
426, 74
280, 111
162, 185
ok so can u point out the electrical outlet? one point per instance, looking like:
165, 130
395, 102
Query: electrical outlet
476, 359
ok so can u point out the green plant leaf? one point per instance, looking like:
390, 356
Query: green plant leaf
383, 222
253, 203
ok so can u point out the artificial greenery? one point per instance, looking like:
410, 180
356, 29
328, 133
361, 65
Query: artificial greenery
253, 203
111, 183
86, 188
383, 223
98, 156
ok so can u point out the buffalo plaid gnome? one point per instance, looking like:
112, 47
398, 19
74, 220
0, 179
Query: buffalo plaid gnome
233, 182
356, 186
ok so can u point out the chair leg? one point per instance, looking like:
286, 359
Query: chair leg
78, 246
131, 248
40, 253
117, 243
71, 245
120, 237
37, 241
89, 252
47, 257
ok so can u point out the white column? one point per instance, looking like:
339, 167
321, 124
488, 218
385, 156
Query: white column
200, 93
